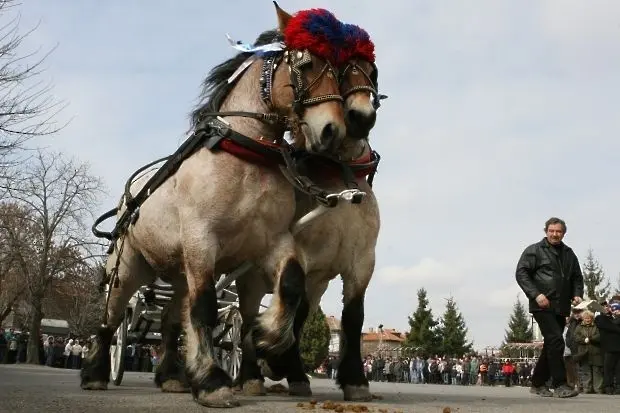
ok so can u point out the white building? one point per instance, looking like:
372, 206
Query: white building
536, 331
334, 333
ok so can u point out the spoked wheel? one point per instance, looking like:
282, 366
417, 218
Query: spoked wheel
230, 344
117, 351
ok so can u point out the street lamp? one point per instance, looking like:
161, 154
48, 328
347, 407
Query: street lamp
380, 338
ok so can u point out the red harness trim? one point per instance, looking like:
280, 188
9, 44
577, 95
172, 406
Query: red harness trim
363, 166
325, 169
269, 155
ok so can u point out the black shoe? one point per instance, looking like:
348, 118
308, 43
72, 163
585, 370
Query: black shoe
564, 391
542, 391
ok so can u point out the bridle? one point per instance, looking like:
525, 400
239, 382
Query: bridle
296, 60
372, 86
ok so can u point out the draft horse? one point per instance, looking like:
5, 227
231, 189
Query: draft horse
330, 242
222, 200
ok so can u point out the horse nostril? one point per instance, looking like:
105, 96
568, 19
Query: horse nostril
328, 134
361, 119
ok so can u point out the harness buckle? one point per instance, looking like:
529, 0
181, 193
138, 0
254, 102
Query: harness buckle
354, 196
330, 200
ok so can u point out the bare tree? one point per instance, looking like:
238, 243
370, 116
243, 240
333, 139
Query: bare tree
78, 297
61, 195
28, 107
15, 236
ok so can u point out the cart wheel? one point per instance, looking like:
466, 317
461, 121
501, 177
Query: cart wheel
230, 350
117, 351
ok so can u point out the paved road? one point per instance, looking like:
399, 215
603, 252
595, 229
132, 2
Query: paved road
42, 389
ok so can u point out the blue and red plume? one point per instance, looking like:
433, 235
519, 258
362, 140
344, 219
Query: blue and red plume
358, 43
317, 30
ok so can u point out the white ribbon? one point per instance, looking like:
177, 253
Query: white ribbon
248, 48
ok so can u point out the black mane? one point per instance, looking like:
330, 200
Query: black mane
215, 87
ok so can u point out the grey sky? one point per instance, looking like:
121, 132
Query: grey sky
500, 115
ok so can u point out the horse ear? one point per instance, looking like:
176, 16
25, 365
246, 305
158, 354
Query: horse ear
283, 17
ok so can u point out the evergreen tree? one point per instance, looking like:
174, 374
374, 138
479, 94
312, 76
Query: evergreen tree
519, 331
422, 334
519, 325
452, 332
596, 283
314, 342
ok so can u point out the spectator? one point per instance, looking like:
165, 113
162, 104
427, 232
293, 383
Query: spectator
67, 353
49, 351
3, 346
608, 324
549, 274
76, 355
11, 339
507, 371
589, 355
572, 378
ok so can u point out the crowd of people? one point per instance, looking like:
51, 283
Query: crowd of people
57, 351
68, 352
465, 371
592, 352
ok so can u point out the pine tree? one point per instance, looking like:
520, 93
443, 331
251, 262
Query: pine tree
519, 331
452, 332
596, 283
314, 342
519, 325
422, 335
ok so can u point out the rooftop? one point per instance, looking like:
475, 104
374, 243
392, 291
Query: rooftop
333, 323
388, 334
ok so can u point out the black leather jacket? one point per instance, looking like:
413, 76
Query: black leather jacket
539, 272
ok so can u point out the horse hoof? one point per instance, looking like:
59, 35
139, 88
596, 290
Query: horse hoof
254, 388
220, 398
174, 386
299, 389
94, 385
357, 393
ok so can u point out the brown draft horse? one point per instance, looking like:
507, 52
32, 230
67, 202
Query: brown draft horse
340, 241
218, 210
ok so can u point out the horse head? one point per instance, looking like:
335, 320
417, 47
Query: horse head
306, 87
359, 82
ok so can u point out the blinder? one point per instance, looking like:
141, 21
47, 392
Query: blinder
297, 61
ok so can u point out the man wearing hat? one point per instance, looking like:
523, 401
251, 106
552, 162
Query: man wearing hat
549, 274
608, 323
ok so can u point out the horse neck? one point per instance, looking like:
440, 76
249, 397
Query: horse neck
245, 96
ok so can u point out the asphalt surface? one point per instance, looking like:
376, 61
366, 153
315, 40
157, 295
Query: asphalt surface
38, 389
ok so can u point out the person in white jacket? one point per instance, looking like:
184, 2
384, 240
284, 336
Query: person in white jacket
67, 353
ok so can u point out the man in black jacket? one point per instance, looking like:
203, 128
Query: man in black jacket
549, 274
608, 324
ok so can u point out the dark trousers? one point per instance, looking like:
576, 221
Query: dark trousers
611, 369
551, 361
572, 378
